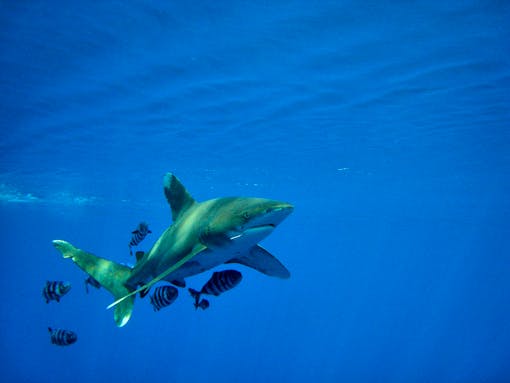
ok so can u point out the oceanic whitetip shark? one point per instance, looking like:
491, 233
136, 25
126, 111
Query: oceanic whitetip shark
203, 235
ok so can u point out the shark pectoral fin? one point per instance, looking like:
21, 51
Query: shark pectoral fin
197, 249
123, 311
261, 260
177, 196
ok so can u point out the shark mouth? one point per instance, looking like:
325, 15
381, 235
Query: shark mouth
262, 225
272, 217
253, 234
258, 229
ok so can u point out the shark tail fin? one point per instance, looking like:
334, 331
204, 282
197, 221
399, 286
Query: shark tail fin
111, 275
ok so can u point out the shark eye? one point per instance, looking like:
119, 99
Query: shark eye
246, 215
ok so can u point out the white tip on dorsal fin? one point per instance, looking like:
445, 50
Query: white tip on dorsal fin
177, 196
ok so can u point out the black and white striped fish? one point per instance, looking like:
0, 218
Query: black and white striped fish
62, 337
220, 282
163, 296
138, 235
54, 290
93, 282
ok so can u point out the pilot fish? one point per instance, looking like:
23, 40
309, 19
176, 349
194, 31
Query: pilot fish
220, 282
62, 337
54, 290
138, 235
163, 296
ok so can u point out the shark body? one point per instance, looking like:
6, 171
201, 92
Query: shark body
203, 235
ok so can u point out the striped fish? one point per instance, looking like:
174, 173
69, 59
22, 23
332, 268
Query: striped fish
54, 290
138, 235
62, 337
163, 296
220, 282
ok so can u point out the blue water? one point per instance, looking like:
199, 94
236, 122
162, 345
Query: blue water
386, 125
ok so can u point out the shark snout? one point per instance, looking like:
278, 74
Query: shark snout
282, 206
272, 215
280, 211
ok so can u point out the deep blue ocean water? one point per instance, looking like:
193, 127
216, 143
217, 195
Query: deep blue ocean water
386, 124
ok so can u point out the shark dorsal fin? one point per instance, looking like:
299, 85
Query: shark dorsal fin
177, 196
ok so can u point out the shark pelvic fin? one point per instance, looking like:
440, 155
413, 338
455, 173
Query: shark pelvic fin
177, 196
112, 276
197, 249
261, 260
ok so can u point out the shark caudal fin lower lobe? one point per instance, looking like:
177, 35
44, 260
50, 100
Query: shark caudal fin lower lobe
111, 275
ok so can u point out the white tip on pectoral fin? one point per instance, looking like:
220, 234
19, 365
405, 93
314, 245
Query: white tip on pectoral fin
123, 298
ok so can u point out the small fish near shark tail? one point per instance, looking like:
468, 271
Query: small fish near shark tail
111, 275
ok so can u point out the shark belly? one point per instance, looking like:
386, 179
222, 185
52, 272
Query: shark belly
238, 245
